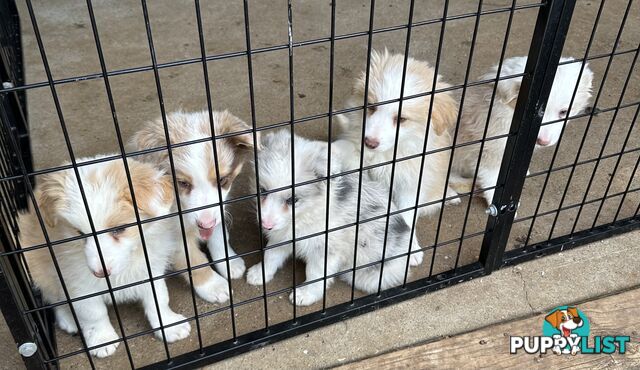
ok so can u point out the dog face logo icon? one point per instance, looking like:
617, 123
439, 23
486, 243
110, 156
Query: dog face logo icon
566, 324
565, 320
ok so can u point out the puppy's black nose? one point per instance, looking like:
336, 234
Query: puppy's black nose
577, 320
371, 143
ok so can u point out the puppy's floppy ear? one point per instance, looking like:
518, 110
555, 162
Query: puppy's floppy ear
153, 189
573, 311
586, 80
444, 114
150, 136
50, 196
317, 158
554, 318
508, 90
227, 123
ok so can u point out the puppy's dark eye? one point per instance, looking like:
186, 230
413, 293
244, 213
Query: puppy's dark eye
184, 184
371, 110
117, 232
563, 113
224, 181
292, 200
402, 119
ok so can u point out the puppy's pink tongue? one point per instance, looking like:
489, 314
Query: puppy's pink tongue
205, 234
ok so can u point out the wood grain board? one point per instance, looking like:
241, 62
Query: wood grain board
489, 347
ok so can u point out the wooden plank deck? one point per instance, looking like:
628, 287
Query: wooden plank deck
489, 347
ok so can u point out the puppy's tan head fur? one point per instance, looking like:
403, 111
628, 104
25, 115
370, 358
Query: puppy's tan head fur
199, 177
107, 193
232, 149
385, 83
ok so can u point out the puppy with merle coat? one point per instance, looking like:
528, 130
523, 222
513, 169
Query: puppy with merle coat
278, 203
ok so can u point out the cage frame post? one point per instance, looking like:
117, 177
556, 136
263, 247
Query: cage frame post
550, 32
15, 289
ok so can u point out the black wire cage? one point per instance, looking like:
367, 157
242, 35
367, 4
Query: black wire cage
291, 65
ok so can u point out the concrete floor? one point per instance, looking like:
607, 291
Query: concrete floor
71, 52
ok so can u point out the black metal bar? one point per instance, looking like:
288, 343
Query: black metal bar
330, 140
631, 178
21, 330
486, 128
207, 87
551, 28
565, 120
549, 34
595, 105
318, 319
69, 148
114, 115
237, 54
407, 47
252, 103
293, 160
372, 11
427, 129
176, 192
616, 166
604, 145
568, 242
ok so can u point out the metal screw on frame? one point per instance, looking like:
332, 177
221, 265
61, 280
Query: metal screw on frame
491, 210
27, 349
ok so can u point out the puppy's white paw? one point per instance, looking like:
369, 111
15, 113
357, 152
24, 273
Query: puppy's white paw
305, 296
175, 332
236, 268
214, 290
453, 202
65, 321
416, 258
254, 275
98, 335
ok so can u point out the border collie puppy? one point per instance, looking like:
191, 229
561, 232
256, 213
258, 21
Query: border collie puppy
110, 204
198, 185
476, 110
385, 83
309, 203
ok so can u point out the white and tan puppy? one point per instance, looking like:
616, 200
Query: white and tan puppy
309, 202
385, 82
198, 187
110, 204
476, 110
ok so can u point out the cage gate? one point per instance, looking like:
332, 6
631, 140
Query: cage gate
531, 213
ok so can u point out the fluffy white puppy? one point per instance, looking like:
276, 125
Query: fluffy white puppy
385, 83
476, 110
309, 202
198, 188
110, 203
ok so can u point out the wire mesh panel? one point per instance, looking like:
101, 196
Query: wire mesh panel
246, 171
